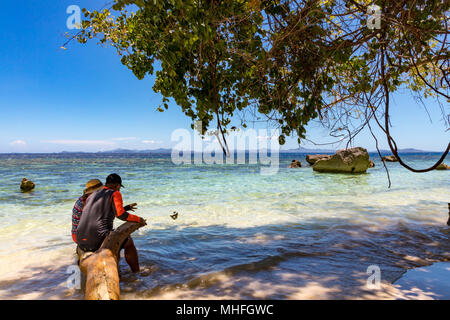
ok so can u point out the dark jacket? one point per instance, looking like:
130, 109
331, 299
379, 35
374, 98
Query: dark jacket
98, 216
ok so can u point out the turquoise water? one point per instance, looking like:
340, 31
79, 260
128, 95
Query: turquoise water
292, 235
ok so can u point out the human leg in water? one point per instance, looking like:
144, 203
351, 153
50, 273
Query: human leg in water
131, 255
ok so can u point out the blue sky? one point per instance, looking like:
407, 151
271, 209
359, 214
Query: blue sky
84, 99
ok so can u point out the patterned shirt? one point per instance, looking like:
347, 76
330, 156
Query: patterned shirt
76, 216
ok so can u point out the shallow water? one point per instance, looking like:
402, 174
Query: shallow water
293, 235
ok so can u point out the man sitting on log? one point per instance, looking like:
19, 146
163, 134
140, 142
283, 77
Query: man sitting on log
97, 220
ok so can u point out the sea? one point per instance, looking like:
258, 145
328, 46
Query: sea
240, 234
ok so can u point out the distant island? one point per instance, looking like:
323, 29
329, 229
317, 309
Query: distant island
125, 151
299, 150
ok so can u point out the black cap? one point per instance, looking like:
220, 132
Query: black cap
114, 179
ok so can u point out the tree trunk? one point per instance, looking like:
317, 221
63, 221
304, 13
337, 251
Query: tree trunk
102, 267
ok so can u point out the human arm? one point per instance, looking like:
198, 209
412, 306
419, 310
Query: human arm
120, 211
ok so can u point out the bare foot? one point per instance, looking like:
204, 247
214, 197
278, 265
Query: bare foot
146, 271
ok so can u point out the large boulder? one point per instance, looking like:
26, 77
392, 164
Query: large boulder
313, 158
295, 164
443, 166
354, 160
27, 185
390, 159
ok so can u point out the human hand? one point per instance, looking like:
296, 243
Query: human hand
131, 207
143, 221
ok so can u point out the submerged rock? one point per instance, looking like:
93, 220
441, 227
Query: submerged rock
390, 159
295, 164
354, 160
442, 166
26, 185
313, 158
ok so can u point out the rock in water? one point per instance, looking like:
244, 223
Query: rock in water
442, 166
371, 164
26, 185
354, 160
295, 164
390, 159
313, 158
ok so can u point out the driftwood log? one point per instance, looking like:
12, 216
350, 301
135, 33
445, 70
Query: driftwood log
102, 267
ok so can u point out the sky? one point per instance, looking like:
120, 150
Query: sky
84, 99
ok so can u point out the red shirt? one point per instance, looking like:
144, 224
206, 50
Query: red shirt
119, 209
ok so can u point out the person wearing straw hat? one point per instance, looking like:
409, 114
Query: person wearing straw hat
91, 186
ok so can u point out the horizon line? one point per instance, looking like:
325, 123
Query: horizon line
170, 150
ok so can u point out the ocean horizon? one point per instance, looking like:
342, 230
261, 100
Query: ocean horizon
169, 151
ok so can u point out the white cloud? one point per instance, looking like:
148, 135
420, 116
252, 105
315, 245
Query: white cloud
124, 139
18, 143
81, 142
151, 141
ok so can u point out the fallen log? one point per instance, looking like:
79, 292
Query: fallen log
102, 266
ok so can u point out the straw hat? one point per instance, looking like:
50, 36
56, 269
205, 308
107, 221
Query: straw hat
92, 185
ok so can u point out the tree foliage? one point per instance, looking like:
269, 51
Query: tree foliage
288, 60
